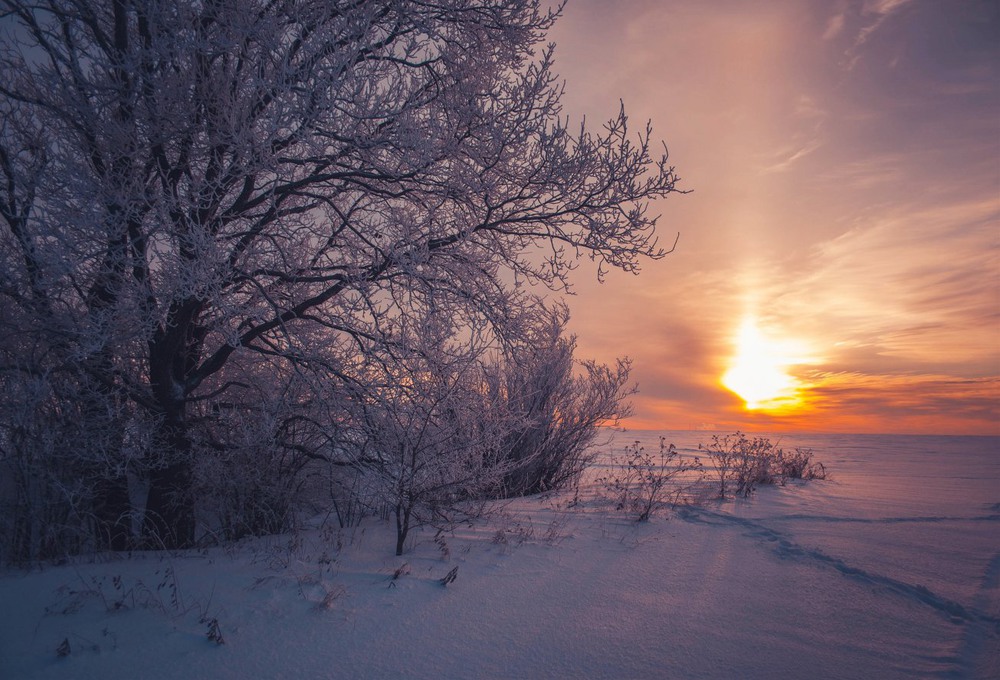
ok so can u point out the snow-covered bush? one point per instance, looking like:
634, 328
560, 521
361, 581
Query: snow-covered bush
249, 491
742, 463
798, 464
562, 404
264, 458
645, 483
352, 492
65, 452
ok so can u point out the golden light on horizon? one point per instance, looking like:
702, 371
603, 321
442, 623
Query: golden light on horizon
758, 371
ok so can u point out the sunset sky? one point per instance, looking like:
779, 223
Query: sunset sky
843, 231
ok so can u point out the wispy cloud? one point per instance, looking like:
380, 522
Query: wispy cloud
874, 13
921, 284
787, 157
878, 11
834, 26
904, 404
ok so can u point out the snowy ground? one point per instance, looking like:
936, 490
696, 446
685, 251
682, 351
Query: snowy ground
890, 569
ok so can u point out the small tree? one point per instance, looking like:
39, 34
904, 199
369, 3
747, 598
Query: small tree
430, 432
446, 413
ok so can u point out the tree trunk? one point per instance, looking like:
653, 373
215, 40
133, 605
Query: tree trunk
402, 526
173, 354
169, 520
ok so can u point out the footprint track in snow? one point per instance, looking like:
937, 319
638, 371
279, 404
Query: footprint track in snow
787, 548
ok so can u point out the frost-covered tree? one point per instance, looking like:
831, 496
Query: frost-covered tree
192, 185
562, 403
428, 424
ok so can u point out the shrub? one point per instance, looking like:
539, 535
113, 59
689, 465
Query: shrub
248, 479
562, 403
799, 465
645, 483
743, 463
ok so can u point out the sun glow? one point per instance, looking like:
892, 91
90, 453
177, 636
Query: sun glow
758, 372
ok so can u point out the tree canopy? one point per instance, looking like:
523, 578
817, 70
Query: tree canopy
213, 209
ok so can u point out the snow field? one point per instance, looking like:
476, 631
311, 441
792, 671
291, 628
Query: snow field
843, 578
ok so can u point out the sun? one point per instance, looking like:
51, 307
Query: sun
758, 371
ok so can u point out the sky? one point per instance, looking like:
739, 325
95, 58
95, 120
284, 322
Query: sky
838, 255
